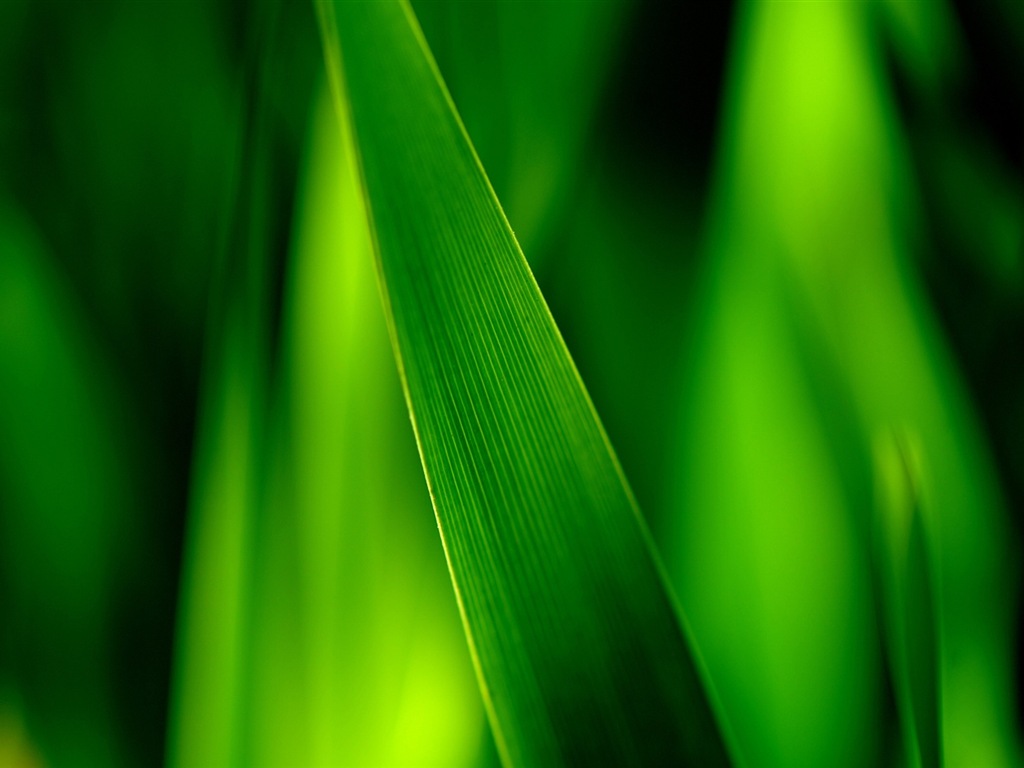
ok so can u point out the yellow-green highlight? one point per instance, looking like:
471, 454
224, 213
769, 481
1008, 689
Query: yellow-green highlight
381, 672
333, 637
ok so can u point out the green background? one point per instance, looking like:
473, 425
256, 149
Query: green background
783, 241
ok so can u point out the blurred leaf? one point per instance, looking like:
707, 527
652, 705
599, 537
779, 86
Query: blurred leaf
764, 545
907, 597
67, 496
987, 226
579, 650
526, 79
208, 693
926, 38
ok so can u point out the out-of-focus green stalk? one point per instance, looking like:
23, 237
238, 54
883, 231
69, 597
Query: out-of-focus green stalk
209, 683
811, 241
208, 687
67, 494
952, 154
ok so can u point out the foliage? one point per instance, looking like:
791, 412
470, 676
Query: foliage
781, 244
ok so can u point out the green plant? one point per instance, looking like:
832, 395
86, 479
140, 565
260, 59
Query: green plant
273, 221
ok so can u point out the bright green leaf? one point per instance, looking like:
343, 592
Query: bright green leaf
579, 650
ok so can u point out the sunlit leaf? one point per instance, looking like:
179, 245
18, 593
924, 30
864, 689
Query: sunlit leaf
358, 656
579, 650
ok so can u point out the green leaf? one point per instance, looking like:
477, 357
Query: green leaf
812, 256
577, 643
358, 657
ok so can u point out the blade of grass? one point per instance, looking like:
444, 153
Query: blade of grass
815, 194
579, 649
